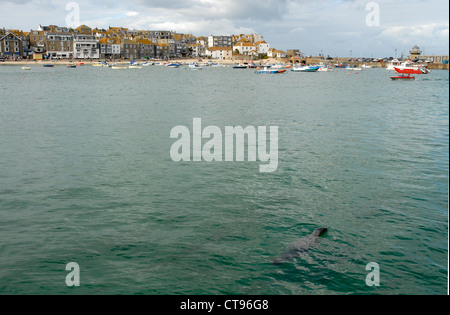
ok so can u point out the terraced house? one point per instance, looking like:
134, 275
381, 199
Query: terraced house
60, 45
14, 45
110, 48
86, 47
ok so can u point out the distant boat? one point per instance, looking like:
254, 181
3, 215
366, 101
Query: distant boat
305, 69
340, 65
71, 66
135, 67
48, 66
354, 68
80, 64
267, 70
148, 64
366, 66
403, 77
119, 68
173, 65
195, 66
26, 68
324, 68
240, 66
408, 70
392, 64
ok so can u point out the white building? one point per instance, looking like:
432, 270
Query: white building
262, 47
86, 47
220, 53
244, 48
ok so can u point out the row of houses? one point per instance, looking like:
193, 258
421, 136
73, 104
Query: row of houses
54, 42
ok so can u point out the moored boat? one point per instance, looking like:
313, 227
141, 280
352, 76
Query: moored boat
403, 77
71, 66
119, 67
173, 65
134, 67
305, 69
392, 64
48, 66
26, 68
267, 70
240, 66
195, 66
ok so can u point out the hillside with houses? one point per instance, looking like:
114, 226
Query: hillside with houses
54, 42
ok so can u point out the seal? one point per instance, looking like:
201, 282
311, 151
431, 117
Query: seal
300, 246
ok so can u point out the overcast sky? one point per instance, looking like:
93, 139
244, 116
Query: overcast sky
333, 27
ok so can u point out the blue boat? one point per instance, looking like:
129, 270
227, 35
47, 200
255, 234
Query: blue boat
48, 66
266, 70
305, 69
173, 65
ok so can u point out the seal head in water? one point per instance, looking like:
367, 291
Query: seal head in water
301, 246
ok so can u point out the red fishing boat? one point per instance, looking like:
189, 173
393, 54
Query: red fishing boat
403, 77
408, 70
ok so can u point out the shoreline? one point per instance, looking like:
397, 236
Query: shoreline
432, 66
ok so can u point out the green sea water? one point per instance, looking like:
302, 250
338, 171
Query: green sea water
86, 176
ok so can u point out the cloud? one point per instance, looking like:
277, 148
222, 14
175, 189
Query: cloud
332, 26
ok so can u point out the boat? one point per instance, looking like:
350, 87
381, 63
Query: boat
278, 66
99, 64
134, 67
173, 65
119, 67
366, 66
403, 77
411, 67
408, 70
354, 68
305, 69
267, 70
80, 64
340, 65
48, 66
195, 66
147, 64
392, 64
26, 68
324, 68
71, 66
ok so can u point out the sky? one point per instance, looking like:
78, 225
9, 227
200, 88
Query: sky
353, 28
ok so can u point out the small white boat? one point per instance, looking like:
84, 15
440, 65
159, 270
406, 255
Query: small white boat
195, 66
119, 68
324, 68
392, 64
366, 66
135, 67
147, 64
26, 68
354, 68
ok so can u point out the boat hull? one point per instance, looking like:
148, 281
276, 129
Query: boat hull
270, 71
305, 69
408, 70
402, 77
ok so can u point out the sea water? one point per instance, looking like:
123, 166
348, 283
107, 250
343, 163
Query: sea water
86, 177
